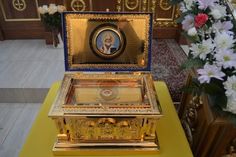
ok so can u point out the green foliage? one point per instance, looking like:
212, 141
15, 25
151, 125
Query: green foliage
175, 2
182, 16
194, 87
52, 21
192, 39
192, 63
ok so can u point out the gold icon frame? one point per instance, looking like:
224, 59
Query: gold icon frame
100, 31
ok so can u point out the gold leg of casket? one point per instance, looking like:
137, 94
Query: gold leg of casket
112, 148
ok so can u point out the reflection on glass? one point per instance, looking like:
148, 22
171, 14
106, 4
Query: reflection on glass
107, 92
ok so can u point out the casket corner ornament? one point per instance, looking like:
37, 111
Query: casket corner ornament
115, 110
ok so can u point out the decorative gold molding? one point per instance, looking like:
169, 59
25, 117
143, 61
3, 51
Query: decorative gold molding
144, 7
19, 5
168, 22
164, 5
131, 4
190, 119
18, 19
118, 6
78, 5
153, 7
150, 6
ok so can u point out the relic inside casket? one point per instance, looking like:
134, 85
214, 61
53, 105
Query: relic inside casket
114, 109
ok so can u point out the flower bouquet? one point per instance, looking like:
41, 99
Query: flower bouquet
51, 17
210, 27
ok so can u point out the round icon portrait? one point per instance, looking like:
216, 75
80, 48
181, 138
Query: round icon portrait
107, 42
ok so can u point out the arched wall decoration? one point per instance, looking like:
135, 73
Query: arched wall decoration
78, 5
19, 5
151, 6
131, 4
164, 5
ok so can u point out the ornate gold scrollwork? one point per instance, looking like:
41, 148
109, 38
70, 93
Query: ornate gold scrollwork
118, 6
144, 7
19, 5
131, 4
190, 119
164, 5
153, 8
231, 149
165, 23
78, 5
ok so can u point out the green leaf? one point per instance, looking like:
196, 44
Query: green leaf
192, 39
182, 16
192, 63
213, 89
221, 100
174, 2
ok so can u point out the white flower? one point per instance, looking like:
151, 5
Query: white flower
40, 10
189, 4
202, 49
192, 31
52, 9
224, 41
208, 72
188, 22
203, 4
223, 26
230, 87
182, 7
61, 8
218, 11
43, 10
226, 58
231, 105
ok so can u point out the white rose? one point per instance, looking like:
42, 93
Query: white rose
41, 10
192, 31
61, 8
189, 4
45, 8
216, 14
218, 11
231, 105
52, 9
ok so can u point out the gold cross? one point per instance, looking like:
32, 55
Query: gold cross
19, 4
78, 6
166, 4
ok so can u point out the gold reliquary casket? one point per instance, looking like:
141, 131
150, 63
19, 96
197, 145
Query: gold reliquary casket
107, 98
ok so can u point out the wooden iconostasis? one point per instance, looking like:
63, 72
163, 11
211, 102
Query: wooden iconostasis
19, 19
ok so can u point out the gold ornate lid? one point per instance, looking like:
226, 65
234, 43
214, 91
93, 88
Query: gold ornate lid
107, 41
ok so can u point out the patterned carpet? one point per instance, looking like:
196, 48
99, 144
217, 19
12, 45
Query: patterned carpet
167, 56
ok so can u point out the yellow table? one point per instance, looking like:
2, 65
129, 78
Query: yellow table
172, 140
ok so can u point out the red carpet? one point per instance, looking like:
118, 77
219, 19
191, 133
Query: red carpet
167, 56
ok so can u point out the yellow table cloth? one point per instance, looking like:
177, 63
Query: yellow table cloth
172, 140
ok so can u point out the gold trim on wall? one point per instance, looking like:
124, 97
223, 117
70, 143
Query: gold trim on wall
151, 6
144, 7
75, 5
118, 6
164, 5
128, 2
168, 22
18, 19
19, 5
